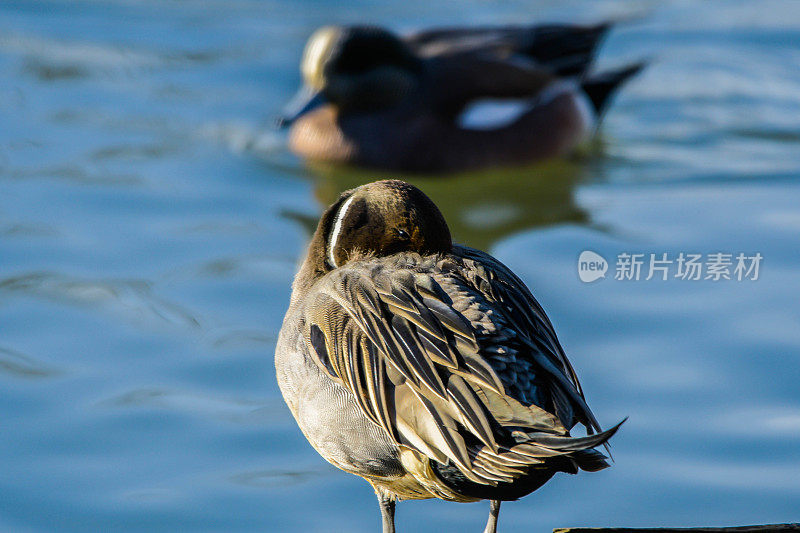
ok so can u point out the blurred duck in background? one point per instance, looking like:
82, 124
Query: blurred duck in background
448, 100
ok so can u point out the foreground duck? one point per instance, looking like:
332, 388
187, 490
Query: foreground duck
425, 367
448, 99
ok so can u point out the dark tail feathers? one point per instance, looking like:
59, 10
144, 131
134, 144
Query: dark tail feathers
589, 461
574, 444
566, 49
600, 87
580, 453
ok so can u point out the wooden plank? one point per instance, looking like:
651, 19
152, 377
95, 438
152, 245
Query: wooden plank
767, 528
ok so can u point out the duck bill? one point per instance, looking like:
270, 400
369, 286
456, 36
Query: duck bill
306, 100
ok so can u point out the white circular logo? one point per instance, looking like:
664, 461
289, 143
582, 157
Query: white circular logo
591, 266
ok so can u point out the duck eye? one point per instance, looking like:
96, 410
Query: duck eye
403, 234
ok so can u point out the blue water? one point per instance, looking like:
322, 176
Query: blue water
151, 221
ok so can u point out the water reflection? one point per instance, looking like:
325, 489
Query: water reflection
480, 207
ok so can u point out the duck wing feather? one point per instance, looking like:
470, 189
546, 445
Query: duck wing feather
564, 49
449, 355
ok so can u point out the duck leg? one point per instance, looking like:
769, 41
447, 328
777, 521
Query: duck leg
494, 512
386, 503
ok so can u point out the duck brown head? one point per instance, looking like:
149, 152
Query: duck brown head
378, 219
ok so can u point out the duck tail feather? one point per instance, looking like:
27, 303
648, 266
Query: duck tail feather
590, 460
568, 50
568, 445
600, 87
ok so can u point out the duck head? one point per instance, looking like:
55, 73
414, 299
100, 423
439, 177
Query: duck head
355, 68
377, 219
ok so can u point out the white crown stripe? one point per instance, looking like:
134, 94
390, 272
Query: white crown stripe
337, 229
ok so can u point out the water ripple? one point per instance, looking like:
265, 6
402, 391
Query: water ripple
242, 337
243, 137
275, 478
132, 297
229, 409
55, 59
74, 173
19, 365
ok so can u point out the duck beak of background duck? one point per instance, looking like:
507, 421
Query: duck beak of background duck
306, 99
